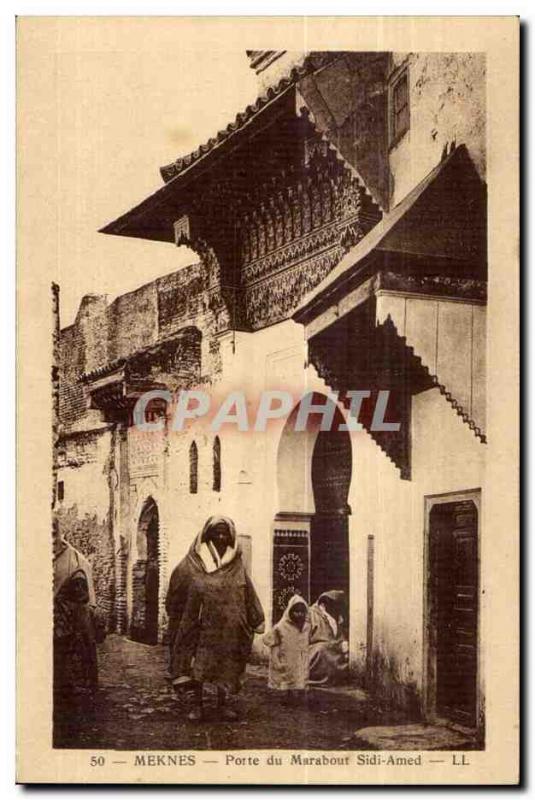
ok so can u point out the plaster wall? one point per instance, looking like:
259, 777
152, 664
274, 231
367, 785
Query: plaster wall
447, 103
446, 457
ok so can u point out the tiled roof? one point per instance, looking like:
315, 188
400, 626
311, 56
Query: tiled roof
100, 372
170, 171
155, 216
262, 59
152, 349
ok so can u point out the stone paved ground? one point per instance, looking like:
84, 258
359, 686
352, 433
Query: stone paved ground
136, 710
413, 737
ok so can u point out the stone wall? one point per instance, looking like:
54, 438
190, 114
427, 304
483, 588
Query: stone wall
84, 513
104, 332
96, 475
92, 536
132, 322
180, 298
183, 300
71, 364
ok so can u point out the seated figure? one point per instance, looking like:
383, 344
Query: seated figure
328, 647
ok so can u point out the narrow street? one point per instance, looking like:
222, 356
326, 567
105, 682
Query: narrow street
136, 709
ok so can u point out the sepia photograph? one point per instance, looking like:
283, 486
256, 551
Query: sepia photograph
268, 472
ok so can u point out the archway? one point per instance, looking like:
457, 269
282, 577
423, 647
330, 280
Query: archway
311, 532
329, 531
146, 577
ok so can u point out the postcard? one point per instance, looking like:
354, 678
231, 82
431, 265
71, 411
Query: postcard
268, 365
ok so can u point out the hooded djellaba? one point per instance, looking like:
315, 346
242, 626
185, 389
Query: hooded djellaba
213, 612
288, 643
78, 628
328, 642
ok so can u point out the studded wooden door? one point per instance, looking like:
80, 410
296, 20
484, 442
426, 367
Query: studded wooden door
454, 609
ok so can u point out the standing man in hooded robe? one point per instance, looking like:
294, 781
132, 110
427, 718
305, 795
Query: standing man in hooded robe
213, 612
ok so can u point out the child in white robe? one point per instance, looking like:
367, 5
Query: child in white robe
288, 651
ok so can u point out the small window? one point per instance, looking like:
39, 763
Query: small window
61, 490
193, 468
399, 107
216, 485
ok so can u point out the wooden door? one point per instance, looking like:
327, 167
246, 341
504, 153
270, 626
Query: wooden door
152, 583
329, 555
146, 579
454, 609
329, 535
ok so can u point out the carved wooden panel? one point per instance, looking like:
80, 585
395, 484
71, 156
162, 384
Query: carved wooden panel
294, 232
291, 567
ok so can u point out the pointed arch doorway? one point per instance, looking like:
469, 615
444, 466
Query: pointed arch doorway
146, 577
311, 530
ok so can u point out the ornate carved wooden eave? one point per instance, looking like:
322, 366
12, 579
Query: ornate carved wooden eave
269, 208
297, 226
169, 364
267, 235
198, 205
191, 175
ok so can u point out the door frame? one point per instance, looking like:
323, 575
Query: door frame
149, 508
429, 650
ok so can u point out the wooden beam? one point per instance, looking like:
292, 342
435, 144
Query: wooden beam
340, 308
